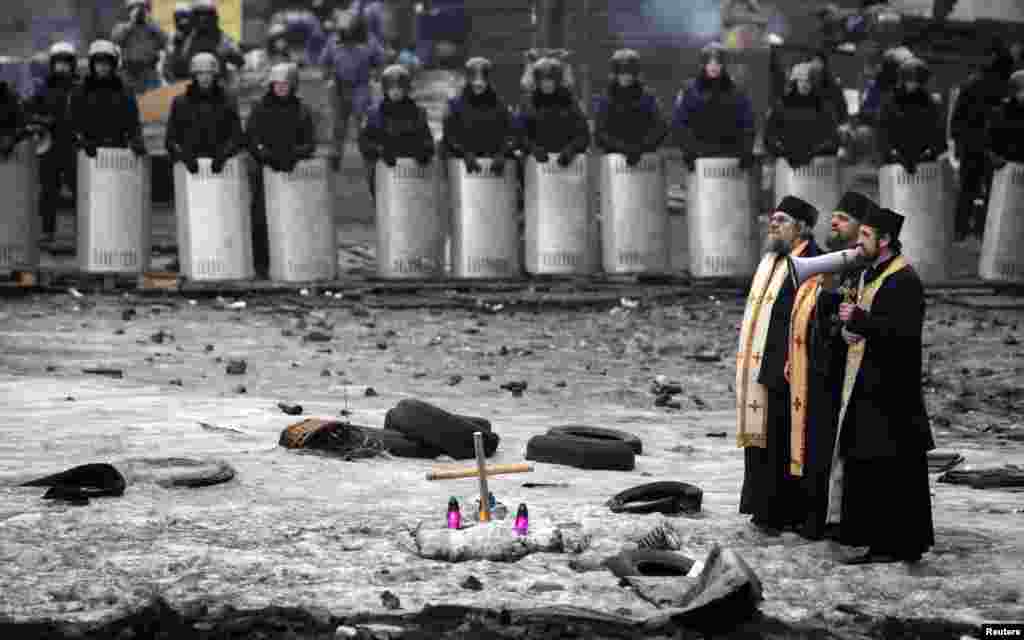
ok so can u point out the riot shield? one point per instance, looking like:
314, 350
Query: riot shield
303, 245
816, 183
114, 212
19, 217
922, 198
558, 220
410, 234
1002, 259
634, 215
721, 221
485, 233
214, 221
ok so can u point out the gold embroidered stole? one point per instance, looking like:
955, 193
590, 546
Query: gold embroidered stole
751, 396
854, 357
799, 364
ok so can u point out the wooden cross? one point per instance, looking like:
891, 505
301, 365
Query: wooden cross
755, 406
757, 358
798, 404
799, 342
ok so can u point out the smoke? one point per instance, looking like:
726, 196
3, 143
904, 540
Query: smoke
682, 21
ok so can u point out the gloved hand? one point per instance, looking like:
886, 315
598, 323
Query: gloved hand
634, 154
192, 164
910, 167
7, 144
540, 155
217, 165
424, 158
138, 147
797, 160
746, 161
928, 155
88, 147
387, 157
997, 161
498, 165
565, 158
288, 164
334, 162
472, 166
690, 160
893, 156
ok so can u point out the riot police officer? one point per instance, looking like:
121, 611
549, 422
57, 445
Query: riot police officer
1006, 131
204, 121
279, 134
713, 117
103, 112
175, 63
478, 122
206, 36
142, 41
12, 120
627, 117
48, 108
395, 128
552, 122
911, 128
803, 123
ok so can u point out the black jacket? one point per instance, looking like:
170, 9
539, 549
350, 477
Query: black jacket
713, 118
628, 119
12, 113
1006, 131
554, 123
887, 414
399, 129
800, 127
280, 129
49, 107
776, 348
480, 124
203, 124
104, 113
977, 101
911, 123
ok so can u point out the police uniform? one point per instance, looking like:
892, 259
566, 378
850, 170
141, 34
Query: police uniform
627, 119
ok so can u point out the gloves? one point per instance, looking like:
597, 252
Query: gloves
498, 165
998, 161
192, 164
691, 161
138, 148
472, 166
335, 163
387, 157
634, 153
797, 160
928, 155
540, 155
217, 165
893, 157
746, 161
425, 157
7, 144
88, 147
565, 158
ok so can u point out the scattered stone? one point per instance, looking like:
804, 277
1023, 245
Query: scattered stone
666, 389
103, 371
545, 587
326, 373
176, 382
50, 368
471, 331
1011, 341
360, 311
69, 399
472, 583
240, 389
161, 337
346, 632
382, 345
119, 332
370, 392
287, 333
419, 374
208, 348
561, 384
517, 387
503, 351
390, 601
325, 350
317, 336
707, 355
296, 365
484, 377
717, 434
454, 380
697, 400
128, 314
237, 367
290, 409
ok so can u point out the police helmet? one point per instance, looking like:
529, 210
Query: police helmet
204, 62
625, 61
1017, 81
284, 72
915, 70
204, 6
63, 51
105, 49
131, 4
276, 30
479, 68
713, 51
548, 69
396, 75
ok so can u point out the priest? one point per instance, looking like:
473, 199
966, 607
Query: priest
770, 494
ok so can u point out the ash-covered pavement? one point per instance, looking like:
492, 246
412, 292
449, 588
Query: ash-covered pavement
328, 535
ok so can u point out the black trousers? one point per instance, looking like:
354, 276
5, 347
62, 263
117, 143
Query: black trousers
770, 494
260, 233
975, 176
56, 168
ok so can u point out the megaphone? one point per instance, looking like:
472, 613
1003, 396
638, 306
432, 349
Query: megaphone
801, 269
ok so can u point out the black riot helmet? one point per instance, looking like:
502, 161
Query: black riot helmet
548, 69
479, 69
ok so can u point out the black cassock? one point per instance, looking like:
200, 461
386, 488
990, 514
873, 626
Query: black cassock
770, 494
886, 434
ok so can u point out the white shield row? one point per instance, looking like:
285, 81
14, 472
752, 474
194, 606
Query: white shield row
19, 218
923, 198
1001, 257
114, 212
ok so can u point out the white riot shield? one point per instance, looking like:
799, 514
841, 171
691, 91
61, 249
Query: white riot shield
922, 198
816, 183
1002, 259
558, 220
300, 224
485, 233
214, 221
721, 221
114, 212
410, 233
634, 215
19, 216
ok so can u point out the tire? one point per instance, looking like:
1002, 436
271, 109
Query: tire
177, 472
398, 445
429, 425
598, 433
658, 497
649, 564
87, 480
582, 453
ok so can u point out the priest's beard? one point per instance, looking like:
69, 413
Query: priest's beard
777, 244
838, 242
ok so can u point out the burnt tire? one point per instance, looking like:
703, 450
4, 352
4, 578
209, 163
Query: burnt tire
429, 425
92, 480
599, 433
398, 445
666, 497
582, 453
650, 564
